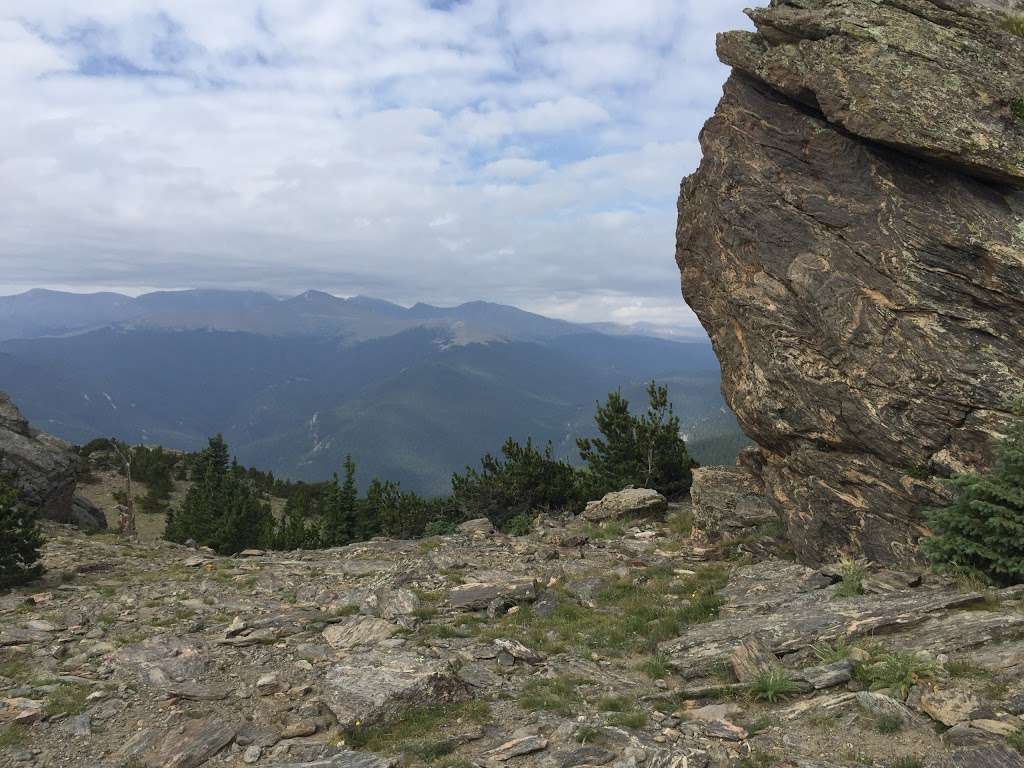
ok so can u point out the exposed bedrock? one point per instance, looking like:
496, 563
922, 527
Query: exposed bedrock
853, 242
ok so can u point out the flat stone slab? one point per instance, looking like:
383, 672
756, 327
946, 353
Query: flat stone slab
376, 686
478, 596
361, 630
807, 621
348, 759
189, 748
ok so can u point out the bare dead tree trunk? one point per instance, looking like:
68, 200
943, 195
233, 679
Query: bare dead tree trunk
127, 521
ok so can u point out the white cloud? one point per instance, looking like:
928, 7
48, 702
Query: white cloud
526, 151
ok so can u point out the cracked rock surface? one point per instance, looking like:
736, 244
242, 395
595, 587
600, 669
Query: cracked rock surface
853, 242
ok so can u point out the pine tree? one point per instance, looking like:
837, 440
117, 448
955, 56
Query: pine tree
982, 531
613, 459
221, 510
20, 539
339, 508
646, 451
296, 530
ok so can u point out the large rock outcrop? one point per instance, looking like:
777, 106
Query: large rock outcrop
853, 242
44, 469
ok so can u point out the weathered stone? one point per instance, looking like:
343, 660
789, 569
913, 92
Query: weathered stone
345, 759
929, 79
764, 587
880, 705
517, 748
477, 596
517, 650
45, 470
631, 502
195, 691
728, 499
951, 704
827, 675
586, 756
992, 756
18, 710
881, 581
191, 746
811, 618
711, 712
163, 661
371, 687
753, 657
396, 603
269, 684
724, 729
358, 630
865, 303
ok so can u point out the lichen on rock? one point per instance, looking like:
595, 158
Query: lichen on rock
851, 242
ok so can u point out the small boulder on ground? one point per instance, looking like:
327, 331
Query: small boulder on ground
631, 502
375, 686
727, 499
478, 596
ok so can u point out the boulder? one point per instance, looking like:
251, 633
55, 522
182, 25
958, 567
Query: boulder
728, 499
360, 630
852, 244
631, 502
44, 470
375, 686
478, 596
953, 704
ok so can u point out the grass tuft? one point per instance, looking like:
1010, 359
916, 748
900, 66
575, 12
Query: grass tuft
631, 615
67, 700
1014, 25
656, 667
415, 732
773, 685
13, 736
853, 579
553, 694
889, 724
899, 671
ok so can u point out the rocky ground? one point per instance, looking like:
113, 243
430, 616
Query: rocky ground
621, 643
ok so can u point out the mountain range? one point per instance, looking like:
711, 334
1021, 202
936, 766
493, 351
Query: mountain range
294, 384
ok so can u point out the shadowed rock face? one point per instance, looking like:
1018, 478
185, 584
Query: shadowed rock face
44, 470
853, 242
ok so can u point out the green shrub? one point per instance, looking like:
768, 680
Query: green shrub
523, 479
983, 529
20, 539
645, 451
889, 724
520, 525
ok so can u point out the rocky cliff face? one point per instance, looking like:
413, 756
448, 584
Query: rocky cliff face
44, 469
853, 242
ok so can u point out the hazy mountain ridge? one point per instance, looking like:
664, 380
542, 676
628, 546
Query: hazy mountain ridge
414, 394
39, 313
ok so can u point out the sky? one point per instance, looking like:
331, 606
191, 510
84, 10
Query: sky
521, 151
